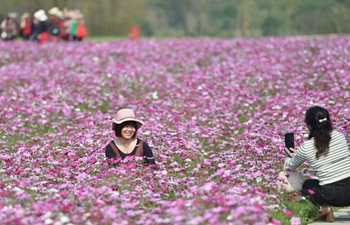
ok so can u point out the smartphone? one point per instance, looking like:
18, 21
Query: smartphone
289, 140
289, 143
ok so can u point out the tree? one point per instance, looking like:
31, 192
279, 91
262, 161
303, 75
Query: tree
245, 11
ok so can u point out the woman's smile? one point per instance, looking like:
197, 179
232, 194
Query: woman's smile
128, 132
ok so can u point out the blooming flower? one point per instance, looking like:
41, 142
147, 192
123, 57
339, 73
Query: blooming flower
311, 191
288, 212
295, 221
213, 117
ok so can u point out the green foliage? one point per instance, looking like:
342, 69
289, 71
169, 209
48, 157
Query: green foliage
146, 28
302, 209
226, 14
270, 25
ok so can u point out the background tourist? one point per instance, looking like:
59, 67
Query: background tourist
8, 29
39, 27
25, 26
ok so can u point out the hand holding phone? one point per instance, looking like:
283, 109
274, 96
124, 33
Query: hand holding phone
288, 152
289, 143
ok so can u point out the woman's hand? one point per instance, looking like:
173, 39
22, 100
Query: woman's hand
293, 150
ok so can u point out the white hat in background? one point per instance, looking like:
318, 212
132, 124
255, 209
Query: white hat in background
40, 15
60, 14
54, 11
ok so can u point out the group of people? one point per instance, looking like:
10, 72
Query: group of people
326, 150
57, 25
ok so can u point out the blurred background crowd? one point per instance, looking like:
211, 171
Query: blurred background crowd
55, 25
199, 18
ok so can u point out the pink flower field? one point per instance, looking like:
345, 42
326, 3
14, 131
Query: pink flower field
215, 112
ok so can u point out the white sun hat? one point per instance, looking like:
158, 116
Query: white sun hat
54, 11
40, 15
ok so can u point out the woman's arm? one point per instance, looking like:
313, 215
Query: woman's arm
298, 158
3, 24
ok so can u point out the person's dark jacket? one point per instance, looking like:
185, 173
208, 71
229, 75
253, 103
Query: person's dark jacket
37, 28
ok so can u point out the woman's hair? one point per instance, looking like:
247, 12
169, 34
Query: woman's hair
320, 127
118, 128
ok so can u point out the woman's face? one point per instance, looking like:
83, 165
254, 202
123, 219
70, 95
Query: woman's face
127, 132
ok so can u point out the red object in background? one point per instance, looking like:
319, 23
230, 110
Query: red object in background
44, 37
81, 31
134, 33
27, 28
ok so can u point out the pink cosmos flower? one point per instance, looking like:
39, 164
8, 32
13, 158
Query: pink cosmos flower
180, 203
288, 212
312, 192
193, 122
295, 221
280, 178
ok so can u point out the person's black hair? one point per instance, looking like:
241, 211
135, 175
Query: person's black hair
118, 128
320, 128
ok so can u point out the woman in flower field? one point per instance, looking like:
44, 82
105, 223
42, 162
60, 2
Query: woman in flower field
327, 152
125, 126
